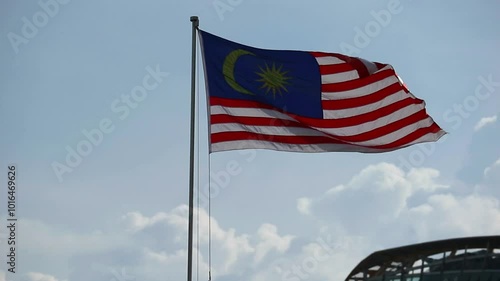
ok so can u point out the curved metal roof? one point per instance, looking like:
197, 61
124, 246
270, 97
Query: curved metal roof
414, 252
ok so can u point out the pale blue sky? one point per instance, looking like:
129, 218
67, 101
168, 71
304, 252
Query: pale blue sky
66, 77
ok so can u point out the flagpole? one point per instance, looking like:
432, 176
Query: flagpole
195, 22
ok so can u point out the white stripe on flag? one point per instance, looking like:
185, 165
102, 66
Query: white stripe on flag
329, 60
249, 112
265, 130
370, 66
339, 77
261, 144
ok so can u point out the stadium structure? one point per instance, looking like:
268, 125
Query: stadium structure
461, 259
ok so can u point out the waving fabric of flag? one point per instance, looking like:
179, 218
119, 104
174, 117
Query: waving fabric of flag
308, 101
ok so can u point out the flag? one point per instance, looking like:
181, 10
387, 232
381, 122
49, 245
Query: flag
302, 101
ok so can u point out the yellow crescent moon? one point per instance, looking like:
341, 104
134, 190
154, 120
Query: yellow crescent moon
228, 70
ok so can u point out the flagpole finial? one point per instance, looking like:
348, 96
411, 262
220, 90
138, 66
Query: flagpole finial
195, 20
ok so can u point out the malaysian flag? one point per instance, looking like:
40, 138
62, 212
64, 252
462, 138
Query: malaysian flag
307, 101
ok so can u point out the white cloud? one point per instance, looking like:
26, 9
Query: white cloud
424, 179
304, 205
327, 257
135, 221
491, 180
37, 276
230, 249
469, 215
155, 247
377, 195
30, 276
382, 199
155, 263
270, 240
318, 261
489, 170
46, 247
485, 121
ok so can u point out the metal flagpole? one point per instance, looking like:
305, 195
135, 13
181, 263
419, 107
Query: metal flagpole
195, 22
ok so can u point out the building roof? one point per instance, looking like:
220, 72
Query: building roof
414, 252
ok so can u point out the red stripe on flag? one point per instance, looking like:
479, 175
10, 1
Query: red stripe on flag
380, 65
322, 54
233, 136
359, 66
335, 68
